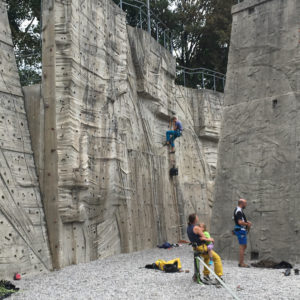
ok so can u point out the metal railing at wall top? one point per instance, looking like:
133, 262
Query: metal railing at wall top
200, 78
148, 21
145, 19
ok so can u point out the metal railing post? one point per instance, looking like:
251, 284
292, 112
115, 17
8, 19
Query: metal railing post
121, 4
141, 24
157, 31
214, 82
148, 16
165, 38
205, 78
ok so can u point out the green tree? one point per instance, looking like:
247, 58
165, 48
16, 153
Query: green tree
202, 38
191, 20
200, 31
24, 17
212, 51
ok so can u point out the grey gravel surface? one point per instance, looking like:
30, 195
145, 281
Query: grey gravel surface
123, 277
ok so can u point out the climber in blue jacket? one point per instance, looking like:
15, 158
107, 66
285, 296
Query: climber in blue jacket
174, 134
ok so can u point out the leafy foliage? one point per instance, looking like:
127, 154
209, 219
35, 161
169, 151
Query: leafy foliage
199, 29
202, 38
24, 17
200, 34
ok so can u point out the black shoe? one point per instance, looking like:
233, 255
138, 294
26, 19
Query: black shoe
206, 279
243, 266
218, 283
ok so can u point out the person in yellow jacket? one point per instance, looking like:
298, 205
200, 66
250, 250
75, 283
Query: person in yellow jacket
196, 236
160, 263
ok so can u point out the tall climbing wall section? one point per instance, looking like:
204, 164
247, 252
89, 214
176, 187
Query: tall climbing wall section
206, 115
23, 236
259, 146
108, 94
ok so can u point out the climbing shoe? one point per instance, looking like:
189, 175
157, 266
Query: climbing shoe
217, 282
207, 280
244, 266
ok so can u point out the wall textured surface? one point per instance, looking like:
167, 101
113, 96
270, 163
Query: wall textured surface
207, 110
108, 93
259, 145
34, 107
23, 236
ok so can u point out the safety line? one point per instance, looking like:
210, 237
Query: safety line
218, 278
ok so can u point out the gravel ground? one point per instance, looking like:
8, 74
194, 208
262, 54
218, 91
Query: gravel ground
123, 277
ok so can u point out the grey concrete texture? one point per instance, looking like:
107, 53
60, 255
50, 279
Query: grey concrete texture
108, 95
34, 107
207, 111
23, 237
258, 156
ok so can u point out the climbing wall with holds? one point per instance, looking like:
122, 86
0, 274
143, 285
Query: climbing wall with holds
109, 93
259, 146
23, 235
205, 115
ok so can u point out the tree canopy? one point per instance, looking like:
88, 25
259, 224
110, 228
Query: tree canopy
199, 29
24, 18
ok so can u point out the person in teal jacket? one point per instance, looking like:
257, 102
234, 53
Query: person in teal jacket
171, 135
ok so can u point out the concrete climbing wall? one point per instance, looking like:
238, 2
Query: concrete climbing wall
23, 236
108, 94
259, 145
206, 115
